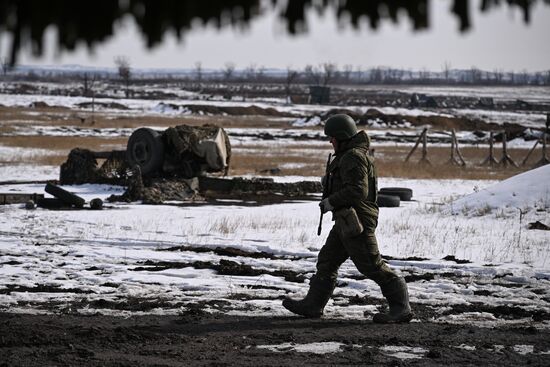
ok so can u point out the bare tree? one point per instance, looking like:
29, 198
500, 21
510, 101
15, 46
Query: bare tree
475, 75
376, 76
524, 75
498, 73
5, 63
313, 74
228, 71
330, 72
424, 75
539, 80
360, 73
250, 72
198, 71
447, 70
123, 66
291, 76
396, 75
512, 77
260, 72
88, 82
348, 70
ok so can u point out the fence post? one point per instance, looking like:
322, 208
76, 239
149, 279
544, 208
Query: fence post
530, 152
544, 160
506, 159
416, 144
490, 160
424, 159
454, 148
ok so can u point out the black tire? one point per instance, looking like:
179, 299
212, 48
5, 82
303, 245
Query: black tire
404, 193
146, 149
52, 203
64, 195
388, 201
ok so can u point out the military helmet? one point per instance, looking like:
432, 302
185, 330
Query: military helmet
341, 127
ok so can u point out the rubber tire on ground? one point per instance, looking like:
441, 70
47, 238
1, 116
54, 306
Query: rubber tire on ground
146, 149
64, 195
388, 201
405, 194
52, 203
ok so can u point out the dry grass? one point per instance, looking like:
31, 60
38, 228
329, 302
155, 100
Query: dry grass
295, 158
85, 118
390, 163
290, 165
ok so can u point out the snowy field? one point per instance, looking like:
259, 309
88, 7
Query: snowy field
463, 246
177, 106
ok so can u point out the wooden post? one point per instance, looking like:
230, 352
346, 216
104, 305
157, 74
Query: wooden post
506, 159
462, 161
544, 160
530, 152
93, 107
490, 160
452, 160
424, 159
454, 148
416, 144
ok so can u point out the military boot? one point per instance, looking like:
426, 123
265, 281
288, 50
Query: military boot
398, 300
313, 304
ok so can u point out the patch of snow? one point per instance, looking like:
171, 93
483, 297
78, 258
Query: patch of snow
27, 172
526, 191
88, 249
523, 349
17, 154
466, 347
307, 121
316, 348
170, 109
403, 352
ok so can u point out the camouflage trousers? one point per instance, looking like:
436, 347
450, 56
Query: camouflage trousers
363, 251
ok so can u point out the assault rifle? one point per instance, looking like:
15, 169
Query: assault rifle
326, 191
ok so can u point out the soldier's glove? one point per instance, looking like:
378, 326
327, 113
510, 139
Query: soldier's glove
325, 205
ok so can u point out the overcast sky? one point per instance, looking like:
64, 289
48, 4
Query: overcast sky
499, 39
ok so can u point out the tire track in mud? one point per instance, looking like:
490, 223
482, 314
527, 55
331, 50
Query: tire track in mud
199, 338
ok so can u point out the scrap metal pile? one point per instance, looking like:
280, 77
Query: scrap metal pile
173, 165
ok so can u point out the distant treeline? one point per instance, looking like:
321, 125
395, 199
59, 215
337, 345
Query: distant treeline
323, 74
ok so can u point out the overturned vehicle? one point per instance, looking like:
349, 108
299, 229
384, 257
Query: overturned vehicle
181, 163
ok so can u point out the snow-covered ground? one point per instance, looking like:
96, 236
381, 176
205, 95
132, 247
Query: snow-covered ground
131, 251
175, 107
278, 136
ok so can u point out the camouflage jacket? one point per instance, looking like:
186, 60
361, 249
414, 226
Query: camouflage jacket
353, 180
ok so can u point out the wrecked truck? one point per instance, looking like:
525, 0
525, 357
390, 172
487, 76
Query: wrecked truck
181, 163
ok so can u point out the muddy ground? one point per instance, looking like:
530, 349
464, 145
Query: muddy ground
197, 338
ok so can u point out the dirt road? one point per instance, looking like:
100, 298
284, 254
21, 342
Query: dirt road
220, 340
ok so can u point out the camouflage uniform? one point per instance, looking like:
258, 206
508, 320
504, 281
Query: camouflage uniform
353, 183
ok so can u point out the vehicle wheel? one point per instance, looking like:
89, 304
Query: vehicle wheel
388, 201
404, 193
62, 194
146, 149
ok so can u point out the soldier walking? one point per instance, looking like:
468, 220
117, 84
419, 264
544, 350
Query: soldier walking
351, 197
